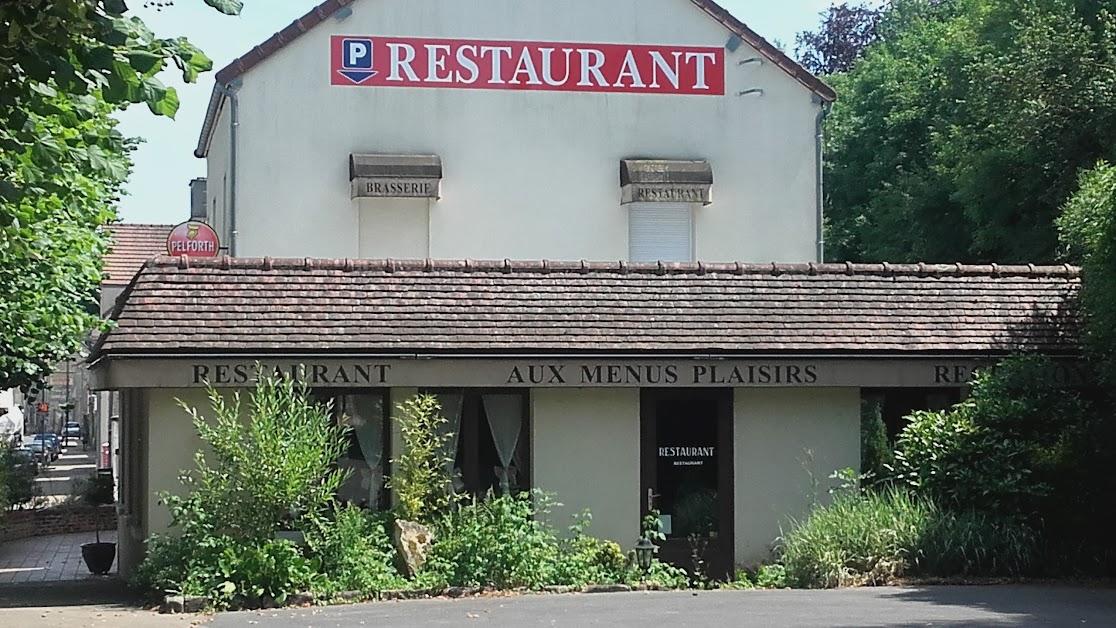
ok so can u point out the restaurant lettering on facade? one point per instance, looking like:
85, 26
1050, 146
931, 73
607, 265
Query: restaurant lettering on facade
593, 374
526, 65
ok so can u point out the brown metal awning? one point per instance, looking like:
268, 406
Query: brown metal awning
395, 176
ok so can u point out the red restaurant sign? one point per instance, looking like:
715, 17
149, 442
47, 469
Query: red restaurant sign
193, 239
526, 65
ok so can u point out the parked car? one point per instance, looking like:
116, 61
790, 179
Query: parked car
52, 441
42, 451
72, 430
26, 456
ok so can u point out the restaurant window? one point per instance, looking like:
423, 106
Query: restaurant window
489, 441
367, 453
660, 232
895, 405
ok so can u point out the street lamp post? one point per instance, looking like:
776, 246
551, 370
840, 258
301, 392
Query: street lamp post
645, 551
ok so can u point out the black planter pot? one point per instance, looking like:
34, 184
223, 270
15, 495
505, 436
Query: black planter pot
98, 557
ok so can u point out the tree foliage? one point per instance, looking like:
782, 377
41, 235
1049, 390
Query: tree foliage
1088, 231
65, 67
959, 135
845, 33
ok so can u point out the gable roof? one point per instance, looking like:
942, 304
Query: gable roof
131, 246
243, 64
264, 307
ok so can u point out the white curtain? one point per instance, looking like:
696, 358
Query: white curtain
365, 414
505, 419
451, 410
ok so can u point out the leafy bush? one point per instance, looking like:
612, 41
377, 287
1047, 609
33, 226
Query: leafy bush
498, 541
771, 577
275, 470
874, 537
17, 481
268, 470
229, 571
420, 477
1087, 229
355, 552
587, 560
1005, 449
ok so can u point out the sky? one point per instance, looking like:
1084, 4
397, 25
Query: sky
158, 191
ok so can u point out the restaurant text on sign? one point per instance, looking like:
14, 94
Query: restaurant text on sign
524, 65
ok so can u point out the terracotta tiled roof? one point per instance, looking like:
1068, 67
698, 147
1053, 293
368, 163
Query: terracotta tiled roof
268, 307
132, 245
242, 64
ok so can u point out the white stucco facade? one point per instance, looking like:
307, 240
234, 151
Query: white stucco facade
787, 443
590, 458
527, 174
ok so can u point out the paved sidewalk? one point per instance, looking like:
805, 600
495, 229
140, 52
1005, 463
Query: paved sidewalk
48, 558
56, 479
103, 603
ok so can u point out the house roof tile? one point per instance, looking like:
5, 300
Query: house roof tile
385, 307
131, 246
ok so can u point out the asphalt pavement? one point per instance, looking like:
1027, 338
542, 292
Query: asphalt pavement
930, 606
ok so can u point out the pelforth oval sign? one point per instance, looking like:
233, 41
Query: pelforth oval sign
193, 239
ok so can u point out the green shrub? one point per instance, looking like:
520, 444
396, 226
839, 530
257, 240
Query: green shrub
231, 572
266, 471
741, 581
1005, 449
356, 553
498, 541
974, 543
17, 481
420, 476
876, 454
273, 471
585, 560
771, 577
874, 537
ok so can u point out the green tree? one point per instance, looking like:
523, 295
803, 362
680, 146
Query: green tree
959, 135
1088, 232
65, 67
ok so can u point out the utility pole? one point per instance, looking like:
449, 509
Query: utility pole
69, 397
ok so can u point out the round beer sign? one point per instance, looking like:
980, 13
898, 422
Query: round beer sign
193, 239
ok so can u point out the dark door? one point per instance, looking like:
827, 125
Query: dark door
686, 467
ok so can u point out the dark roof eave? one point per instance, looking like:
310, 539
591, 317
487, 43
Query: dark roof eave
695, 354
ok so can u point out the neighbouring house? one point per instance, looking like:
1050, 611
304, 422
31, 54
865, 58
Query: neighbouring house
407, 192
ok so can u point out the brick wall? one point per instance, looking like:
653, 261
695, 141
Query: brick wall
22, 524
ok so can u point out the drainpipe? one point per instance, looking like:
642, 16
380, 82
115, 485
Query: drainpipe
819, 146
234, 124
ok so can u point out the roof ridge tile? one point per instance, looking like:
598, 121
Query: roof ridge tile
546, 266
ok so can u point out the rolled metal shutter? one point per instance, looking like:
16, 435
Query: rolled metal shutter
660, 232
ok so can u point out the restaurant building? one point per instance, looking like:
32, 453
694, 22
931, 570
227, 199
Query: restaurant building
364, 159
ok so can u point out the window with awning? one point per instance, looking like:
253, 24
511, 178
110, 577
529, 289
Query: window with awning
395, 176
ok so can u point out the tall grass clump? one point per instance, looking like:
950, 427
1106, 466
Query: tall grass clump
877, 536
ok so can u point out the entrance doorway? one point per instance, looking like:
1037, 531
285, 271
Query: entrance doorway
686, 468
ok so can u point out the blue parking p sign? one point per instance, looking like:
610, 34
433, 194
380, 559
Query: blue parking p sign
356, 59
